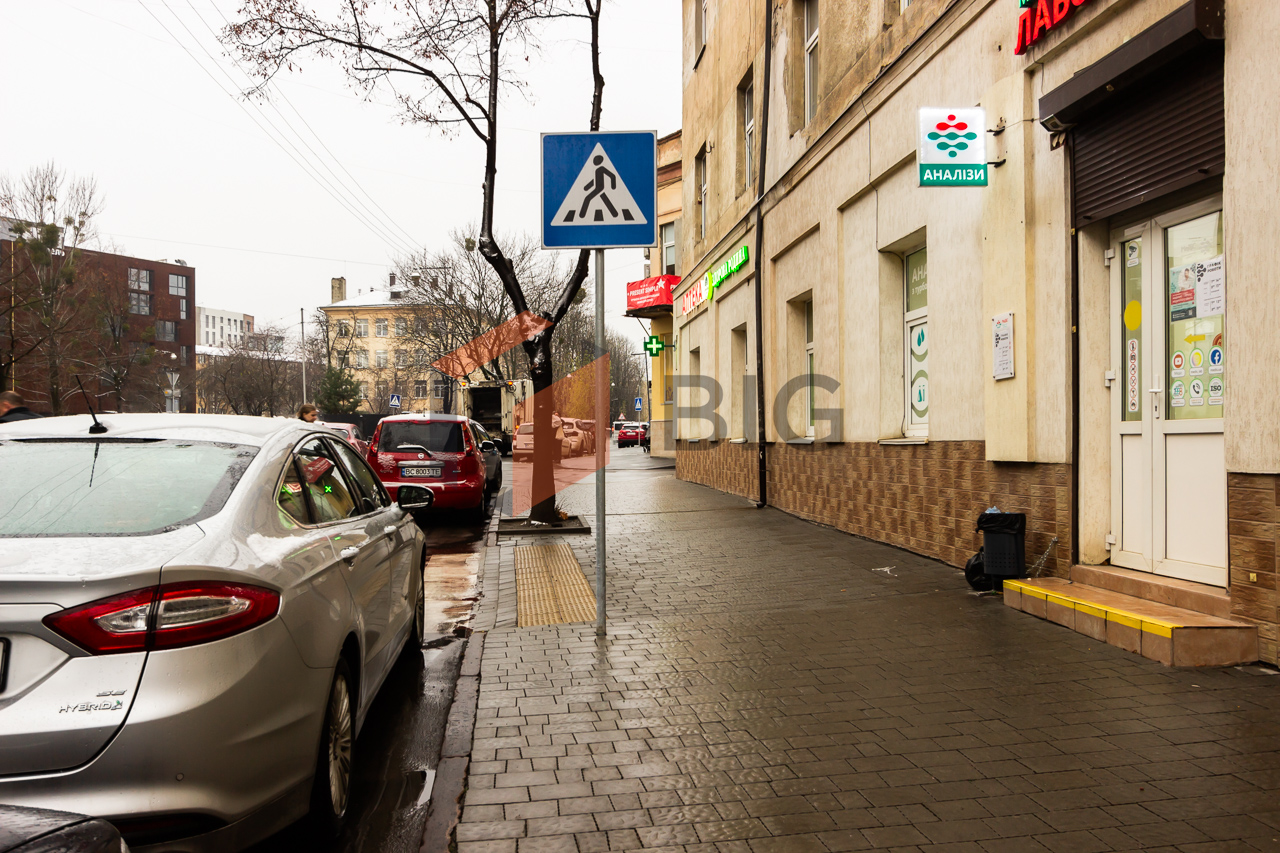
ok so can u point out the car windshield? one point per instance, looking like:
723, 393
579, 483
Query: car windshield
114, 487
435, 436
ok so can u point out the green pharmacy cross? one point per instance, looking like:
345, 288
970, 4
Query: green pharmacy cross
654, 345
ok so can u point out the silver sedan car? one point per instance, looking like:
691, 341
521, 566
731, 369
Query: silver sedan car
196, 612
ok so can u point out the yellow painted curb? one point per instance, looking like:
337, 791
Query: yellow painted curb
1159, 627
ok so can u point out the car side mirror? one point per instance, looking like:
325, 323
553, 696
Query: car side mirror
488, 446
414, 497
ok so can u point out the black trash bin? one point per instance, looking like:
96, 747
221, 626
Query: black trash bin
1004, 540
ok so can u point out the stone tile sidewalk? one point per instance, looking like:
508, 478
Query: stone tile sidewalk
770, 685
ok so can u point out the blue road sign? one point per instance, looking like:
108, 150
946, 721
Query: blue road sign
599, 190
637, 404
395, 401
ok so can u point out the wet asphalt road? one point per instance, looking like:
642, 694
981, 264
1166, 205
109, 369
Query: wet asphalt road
399, 747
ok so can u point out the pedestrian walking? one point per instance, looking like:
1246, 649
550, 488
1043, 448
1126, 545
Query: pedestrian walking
13, 408
308, 413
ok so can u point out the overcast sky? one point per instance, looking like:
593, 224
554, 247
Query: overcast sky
139, 94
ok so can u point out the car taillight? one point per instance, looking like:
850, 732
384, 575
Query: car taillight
165, 617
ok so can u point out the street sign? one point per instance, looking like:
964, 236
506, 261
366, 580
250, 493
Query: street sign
953, 147
395, 401
599, 190
638, 401
654, 345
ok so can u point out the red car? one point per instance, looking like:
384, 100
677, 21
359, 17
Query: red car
630, 434
350, 432
450, 455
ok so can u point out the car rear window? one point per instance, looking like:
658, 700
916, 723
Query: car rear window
114, 487
525, 429
408, 436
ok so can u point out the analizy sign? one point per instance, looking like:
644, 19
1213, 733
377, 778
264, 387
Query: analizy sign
953, 147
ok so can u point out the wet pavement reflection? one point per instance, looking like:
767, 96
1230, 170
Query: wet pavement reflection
399, 746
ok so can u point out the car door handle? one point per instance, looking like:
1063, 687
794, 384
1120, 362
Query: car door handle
349, 554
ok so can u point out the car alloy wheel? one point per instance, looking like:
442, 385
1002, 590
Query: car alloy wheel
332, 792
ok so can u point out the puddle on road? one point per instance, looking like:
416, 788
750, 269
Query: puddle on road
450, 587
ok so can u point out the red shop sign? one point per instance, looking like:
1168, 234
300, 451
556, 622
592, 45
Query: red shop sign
651, 292
1040, 17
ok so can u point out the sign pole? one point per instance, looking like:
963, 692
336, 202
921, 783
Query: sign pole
602, 416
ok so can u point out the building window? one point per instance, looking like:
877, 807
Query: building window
916, 346
184, 355
669, 249
362, 358
421, 388
380, 358
809, 365
746, 99
704, 21
166, 330
402, 327
384, 390
182, 309
700, 177
421, 358
810, 59
364, 390
344, 329
905, 4
402, 358
177, 285
380, 328
439, 388
140, 292
362, 328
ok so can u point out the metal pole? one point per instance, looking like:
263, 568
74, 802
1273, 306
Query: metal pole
602, 415
302, 315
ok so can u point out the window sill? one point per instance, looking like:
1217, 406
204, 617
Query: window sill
737, 441
805, 440
910, 439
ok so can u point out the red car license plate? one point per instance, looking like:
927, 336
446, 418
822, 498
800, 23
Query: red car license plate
420, 472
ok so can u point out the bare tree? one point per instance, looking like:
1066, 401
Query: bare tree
51, 219
458, 58
259, 375
123, 363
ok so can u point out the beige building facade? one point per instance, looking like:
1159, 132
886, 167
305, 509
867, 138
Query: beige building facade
372, 335
1087, 339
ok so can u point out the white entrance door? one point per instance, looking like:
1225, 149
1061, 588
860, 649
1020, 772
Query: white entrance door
1168, 464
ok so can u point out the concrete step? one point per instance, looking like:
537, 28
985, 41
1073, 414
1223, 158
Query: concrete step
1175, 636
1187, 595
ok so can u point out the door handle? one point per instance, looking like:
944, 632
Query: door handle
1155, 402
349, 554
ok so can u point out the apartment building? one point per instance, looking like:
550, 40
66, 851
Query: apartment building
216, 327
1052, 339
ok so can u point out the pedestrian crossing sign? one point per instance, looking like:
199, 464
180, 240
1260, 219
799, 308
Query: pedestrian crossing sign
599, 190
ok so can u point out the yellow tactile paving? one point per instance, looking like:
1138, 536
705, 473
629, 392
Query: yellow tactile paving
550, 587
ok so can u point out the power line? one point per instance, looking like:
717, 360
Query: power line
400, 245
386, 217
243, 249
292, 154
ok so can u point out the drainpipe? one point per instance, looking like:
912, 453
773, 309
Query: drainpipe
759, 288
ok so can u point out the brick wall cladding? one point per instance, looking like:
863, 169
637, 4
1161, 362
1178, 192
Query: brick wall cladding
1253, 526
922, 497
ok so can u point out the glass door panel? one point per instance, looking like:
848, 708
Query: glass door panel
1196, 331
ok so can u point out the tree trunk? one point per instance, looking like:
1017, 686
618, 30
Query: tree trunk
545, 454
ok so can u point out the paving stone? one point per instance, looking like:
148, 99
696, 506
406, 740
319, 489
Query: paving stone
761, 688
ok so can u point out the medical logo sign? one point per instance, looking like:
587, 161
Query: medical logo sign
599, 190
953, 147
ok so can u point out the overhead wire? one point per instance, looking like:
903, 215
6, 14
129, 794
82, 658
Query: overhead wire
386, 217
397, 241
287, 148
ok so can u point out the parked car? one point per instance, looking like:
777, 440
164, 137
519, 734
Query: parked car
644, 434
439, 451
198, 612
350, 432
629, 435
522, 447
492, 455
24, 830
588, 430
617, 426
572, 444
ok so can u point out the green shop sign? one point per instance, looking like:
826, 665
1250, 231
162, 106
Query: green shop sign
704, 289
